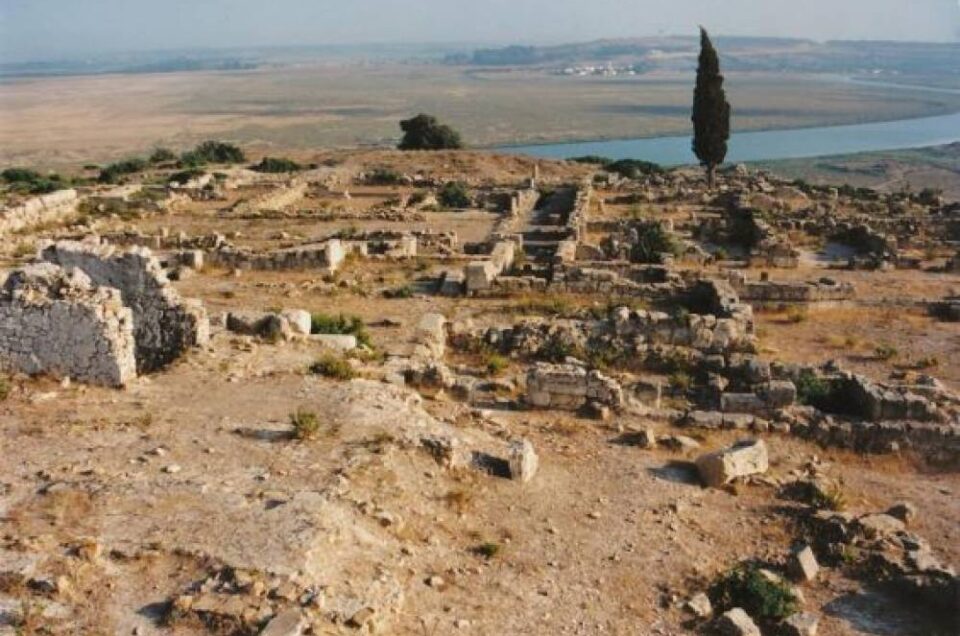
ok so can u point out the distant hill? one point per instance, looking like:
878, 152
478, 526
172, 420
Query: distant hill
739, 54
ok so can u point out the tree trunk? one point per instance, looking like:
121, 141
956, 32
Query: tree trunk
711, 176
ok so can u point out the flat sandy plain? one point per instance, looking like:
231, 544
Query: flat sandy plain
55, 122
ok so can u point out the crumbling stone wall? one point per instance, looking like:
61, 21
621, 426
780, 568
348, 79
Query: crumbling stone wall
327, 255
38, 210
164, 324
55, 321
570, 387
767, 291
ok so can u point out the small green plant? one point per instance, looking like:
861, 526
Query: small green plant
306, 424
886, 352
679, 382
495, 363
558, 349
454, 195
341, 324
330, 366
759, 595
487, 550
4, 388
830, 498
276, 165
162, 155
813, 390
927, 362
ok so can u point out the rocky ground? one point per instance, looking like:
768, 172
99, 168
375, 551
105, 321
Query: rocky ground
245, 489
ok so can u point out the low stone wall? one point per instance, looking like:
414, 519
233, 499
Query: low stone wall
325, 256
164, 324
704, 332
480, 275
570, 387
46, 208
766, 291
55, 321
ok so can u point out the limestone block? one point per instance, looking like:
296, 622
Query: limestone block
748, 457
523, 460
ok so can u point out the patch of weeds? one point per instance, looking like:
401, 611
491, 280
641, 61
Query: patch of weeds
797, 314
5, 388
331, 366
495, 363
306, 424
760, 596
558, 349
458, 499
679, 382
885, 352
487, 550
928, 362
342, 325
830, 498
813, 390
406, 291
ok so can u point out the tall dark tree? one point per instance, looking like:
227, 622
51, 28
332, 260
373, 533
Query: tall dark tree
424, 132
711, 112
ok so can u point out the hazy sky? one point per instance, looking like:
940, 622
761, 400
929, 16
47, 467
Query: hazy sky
51, 28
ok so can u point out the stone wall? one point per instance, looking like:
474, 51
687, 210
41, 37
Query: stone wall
55, 321
767, 291
570, 387
480, 275
164, 324
46, 208
327, 256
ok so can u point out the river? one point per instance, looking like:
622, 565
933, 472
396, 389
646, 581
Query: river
769, 144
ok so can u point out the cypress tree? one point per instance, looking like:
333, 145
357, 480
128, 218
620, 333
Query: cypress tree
711, 112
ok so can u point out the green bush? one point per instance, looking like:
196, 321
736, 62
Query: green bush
654, 240
592, 159
32, 182
275, 165
487, 550
759, 596
679, 382
162, 155
341, 324
330, 366
402, 292
495, 363
113, 172
424, 132
384, 176
454, 194
557, 349
633, 168
184, 176
306, 424
212, 152
813, 390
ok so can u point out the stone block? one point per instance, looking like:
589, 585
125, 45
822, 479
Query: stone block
748, 457
523, 461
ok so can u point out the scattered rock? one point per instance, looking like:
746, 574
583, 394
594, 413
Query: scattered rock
523, 461
802, 624
737, 622
803, 564
904, 511
748, 457
287, 623
699, 605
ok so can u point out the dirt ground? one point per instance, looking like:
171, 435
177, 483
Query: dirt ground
196, 466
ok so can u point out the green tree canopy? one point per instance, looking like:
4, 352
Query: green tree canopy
424, 132
711, 112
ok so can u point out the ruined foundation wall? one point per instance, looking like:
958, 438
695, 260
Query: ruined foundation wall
53, 321
39, 210
165, 324
570, 387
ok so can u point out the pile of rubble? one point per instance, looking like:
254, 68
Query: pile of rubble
98, 315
